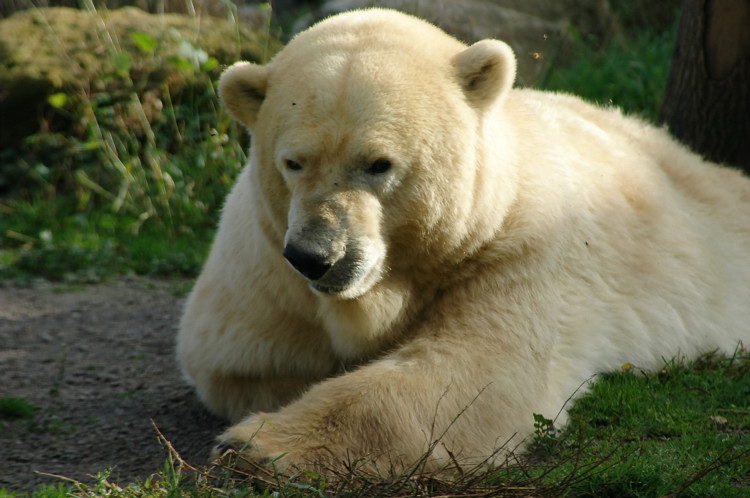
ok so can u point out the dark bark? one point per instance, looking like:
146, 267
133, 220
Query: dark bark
707, 99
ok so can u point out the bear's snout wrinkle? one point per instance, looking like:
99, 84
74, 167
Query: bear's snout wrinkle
313, 265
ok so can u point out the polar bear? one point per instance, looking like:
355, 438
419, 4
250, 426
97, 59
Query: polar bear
418, 253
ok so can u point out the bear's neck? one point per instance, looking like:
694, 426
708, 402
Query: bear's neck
362, 328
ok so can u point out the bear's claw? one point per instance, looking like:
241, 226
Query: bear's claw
221, 448
228, 455
224, 453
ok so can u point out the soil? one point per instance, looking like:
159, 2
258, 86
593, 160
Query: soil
98, 363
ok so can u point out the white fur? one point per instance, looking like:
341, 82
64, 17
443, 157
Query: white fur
521, 242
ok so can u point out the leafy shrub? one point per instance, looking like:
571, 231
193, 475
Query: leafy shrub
629, 73
133, 159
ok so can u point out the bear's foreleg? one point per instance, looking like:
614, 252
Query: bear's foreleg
435, 403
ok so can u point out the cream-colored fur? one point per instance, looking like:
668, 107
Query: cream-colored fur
475, 253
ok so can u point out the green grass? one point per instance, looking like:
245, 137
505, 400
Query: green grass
631, 73
18, 416
59, 491
85, 221
660, 433
16, 408
134, 185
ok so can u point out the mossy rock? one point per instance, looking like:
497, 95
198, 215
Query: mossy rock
115, 54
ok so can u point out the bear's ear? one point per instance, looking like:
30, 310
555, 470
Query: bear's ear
242, 89
486, 71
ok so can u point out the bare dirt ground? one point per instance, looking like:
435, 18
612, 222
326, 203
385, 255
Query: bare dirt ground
98, 361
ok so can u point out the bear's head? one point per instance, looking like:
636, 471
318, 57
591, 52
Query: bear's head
368, 130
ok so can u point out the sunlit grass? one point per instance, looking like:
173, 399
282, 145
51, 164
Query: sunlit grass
631, 73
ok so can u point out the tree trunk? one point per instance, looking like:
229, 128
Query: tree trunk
707, 99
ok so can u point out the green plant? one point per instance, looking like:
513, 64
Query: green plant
136, 182
682, 429
18, 415
59, 491
545, 435
16, 408
629, 73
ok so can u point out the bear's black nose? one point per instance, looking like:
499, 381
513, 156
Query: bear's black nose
311, 265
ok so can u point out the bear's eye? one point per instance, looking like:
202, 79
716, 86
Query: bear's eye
379, 167
292, 165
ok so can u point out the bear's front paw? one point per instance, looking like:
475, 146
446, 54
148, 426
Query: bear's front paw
256, 448
240, 459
